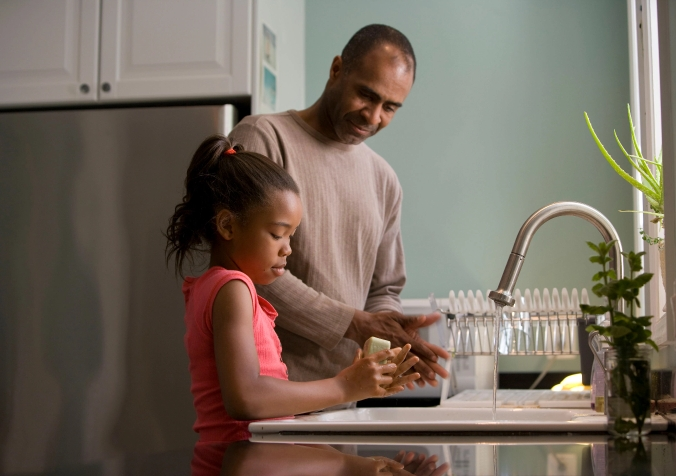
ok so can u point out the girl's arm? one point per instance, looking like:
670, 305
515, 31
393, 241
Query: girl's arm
244, 458
247, 395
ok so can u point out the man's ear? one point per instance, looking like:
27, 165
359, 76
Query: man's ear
224, 224
336, 68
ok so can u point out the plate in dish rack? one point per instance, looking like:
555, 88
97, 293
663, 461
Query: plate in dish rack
442, 419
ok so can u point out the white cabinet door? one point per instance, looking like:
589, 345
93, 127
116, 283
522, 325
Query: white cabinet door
49, 51
175, 49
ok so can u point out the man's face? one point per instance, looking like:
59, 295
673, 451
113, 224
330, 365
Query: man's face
364, 99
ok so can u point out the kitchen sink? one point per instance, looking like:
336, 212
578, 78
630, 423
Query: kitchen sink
440, 420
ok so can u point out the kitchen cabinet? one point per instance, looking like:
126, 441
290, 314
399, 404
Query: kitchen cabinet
48, 51
70, 52
154, 49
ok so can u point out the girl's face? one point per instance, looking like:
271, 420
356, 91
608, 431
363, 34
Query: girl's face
259, 246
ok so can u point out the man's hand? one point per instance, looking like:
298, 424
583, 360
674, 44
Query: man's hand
401, 330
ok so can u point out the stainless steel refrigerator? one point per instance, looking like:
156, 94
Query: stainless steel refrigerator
92, 363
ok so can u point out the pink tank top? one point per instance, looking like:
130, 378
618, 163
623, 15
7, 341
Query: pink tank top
213, 423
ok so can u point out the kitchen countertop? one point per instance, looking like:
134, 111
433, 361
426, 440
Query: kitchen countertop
431, 455
459, 456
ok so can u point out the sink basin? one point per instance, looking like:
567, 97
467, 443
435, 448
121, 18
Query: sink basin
440, 419
428, 415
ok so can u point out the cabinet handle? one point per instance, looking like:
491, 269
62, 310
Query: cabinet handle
105, 87
84, 88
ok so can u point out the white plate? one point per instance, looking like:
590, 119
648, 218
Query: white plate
439, 419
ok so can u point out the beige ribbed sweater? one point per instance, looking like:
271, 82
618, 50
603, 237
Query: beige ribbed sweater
347, 251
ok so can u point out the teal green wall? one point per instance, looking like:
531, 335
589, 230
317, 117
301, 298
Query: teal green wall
493, 129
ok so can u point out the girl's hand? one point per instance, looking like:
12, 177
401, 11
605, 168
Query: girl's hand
420, 465
366, 377
400, 377
371, 466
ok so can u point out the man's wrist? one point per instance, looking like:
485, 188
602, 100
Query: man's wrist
353, 330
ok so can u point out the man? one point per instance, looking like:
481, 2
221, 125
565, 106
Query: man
346, 272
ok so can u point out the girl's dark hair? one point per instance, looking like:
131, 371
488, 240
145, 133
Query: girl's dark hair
217, 180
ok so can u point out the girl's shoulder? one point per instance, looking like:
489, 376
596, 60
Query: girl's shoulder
208, 284
218, 273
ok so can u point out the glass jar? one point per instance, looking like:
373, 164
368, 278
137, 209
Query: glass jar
598, 383
627, 456
628, 391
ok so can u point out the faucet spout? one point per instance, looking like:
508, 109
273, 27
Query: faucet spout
503, 295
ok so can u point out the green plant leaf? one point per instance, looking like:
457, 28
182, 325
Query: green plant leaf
616, 331
640, 166
660, 215
594, 310
646, 191
633, 132
647, 174
593, 246
596, 289
604, 248
621, 317
642, 279
627, 296
634, 260
643, 321
612, 290
641, 335
657, 163
595, 327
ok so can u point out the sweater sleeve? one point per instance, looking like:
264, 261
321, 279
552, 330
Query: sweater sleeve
389, 275
306, 312
258, 137
302, 310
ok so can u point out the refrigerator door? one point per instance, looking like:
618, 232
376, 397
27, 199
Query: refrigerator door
92, 362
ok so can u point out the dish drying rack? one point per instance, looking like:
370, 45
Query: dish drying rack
539, 324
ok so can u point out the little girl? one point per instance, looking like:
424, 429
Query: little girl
242, 209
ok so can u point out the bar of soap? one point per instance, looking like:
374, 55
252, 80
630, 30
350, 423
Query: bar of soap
373, 345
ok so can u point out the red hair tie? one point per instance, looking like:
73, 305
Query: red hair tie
230, 151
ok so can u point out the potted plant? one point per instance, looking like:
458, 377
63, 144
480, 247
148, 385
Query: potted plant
651, 184
627, 361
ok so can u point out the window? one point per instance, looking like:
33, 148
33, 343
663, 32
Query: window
646, 106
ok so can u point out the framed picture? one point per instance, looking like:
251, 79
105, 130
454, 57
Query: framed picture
269, 47
268, 68
269, 96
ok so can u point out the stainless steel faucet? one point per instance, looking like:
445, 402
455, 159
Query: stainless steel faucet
503, 295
